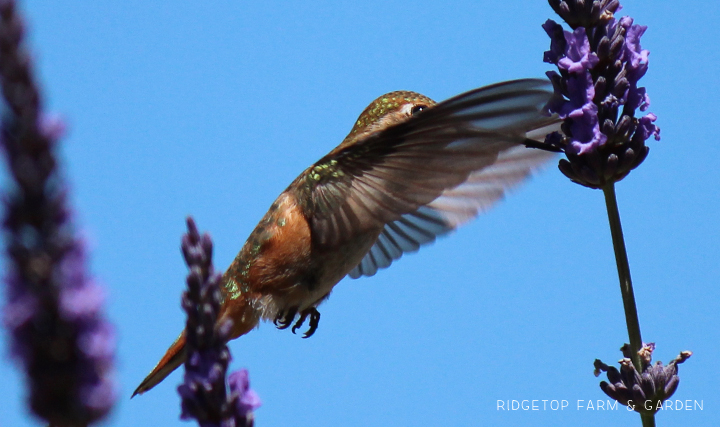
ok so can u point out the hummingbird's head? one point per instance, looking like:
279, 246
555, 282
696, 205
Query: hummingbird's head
387, 110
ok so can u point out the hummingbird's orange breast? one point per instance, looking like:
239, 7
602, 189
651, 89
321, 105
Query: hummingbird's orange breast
274, 266
284, 254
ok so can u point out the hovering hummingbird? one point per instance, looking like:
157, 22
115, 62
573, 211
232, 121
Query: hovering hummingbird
409, 170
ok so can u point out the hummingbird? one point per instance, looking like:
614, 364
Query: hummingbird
410, 170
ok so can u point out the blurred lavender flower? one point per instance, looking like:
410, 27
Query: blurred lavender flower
204, 392
642, 391
599, 63
54, 309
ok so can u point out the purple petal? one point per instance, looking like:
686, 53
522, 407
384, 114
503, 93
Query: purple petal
247, 400
646, 128
636, 57
557, 41
81, 302
20, 311
99, 397
98, 342
578, 57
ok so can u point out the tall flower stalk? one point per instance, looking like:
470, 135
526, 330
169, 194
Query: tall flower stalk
599, 64
204, 394
54, 308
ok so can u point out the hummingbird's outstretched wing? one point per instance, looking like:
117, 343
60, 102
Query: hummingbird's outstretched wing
427, 174
453, 208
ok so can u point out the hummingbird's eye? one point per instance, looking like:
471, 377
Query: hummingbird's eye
418, 108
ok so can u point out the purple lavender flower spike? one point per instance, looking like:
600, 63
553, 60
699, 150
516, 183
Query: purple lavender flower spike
54, 308
599, 65
204, 392
643, 391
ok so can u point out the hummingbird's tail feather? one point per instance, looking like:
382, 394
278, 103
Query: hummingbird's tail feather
174, 357
244, 319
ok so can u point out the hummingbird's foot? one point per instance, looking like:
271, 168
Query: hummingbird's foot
285, 318
314, 320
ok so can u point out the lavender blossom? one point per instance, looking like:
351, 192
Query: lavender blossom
54, 308
599, 65
643, 391
244, 399
204, 392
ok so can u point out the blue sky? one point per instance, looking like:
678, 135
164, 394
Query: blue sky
211, 109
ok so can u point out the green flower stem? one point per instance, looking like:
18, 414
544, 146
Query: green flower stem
631, 317
626, 289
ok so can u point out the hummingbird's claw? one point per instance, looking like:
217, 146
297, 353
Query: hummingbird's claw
300, 321
284, 319
314, 320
